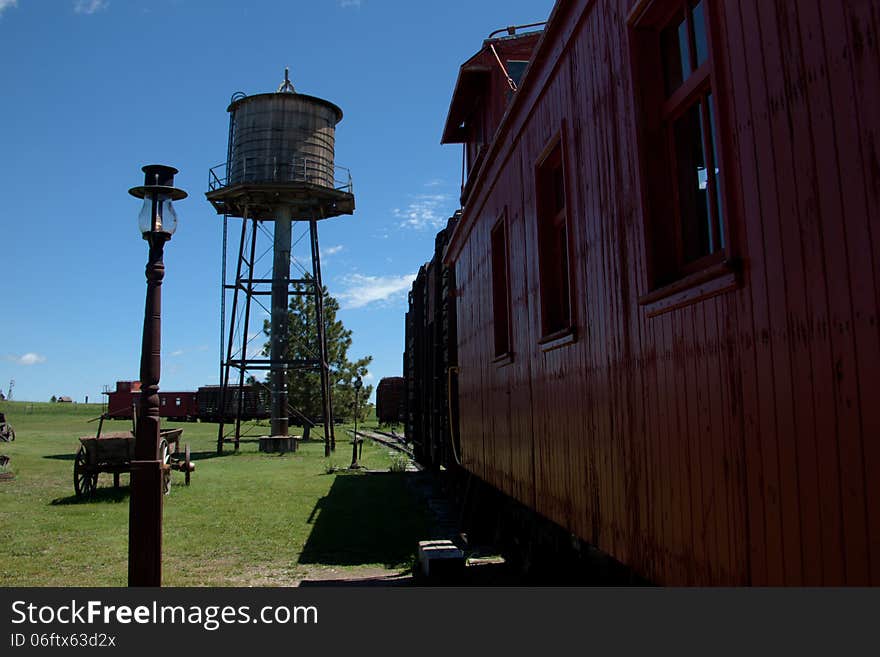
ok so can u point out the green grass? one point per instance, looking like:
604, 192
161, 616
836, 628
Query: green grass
248, 518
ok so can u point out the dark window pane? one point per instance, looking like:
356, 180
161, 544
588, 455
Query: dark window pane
716, 179
701, 44
693, 193
684, 49
553, 245
501, 312
558, 190
703, 183
554, 280
515, 70
676, 60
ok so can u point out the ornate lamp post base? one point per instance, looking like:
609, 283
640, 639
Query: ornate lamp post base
145, 524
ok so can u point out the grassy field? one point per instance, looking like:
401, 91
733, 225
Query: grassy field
247, 519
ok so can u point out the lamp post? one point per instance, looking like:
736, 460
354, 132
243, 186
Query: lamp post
354, 443
157, 221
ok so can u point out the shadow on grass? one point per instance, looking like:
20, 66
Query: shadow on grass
61, 457
101, 495
209, 454
365, 519
195, 456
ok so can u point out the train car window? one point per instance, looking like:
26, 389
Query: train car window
500, 288
682, 171
515, 69
553, 243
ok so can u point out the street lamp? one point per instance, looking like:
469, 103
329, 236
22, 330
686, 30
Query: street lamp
354, 443
157, 221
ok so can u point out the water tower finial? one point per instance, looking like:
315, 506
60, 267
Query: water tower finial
286, 87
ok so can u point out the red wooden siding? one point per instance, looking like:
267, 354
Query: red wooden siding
732, 440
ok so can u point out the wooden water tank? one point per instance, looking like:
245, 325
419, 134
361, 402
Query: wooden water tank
282, 137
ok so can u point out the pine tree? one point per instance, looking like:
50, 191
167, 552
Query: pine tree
304, 387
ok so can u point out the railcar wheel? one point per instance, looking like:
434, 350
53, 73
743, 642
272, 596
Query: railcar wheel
84, 482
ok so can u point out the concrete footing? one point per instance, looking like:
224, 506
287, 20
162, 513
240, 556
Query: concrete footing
276, 444
440, 559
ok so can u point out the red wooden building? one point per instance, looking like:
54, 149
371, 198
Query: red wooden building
667, 284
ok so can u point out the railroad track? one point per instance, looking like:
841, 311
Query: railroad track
389, 440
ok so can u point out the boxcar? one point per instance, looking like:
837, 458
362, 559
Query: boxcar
430, 353
178, 405
255, 403
666, 283
390, 395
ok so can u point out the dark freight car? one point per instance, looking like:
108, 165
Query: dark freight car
255, 403
391, 400
666, 284
430, 355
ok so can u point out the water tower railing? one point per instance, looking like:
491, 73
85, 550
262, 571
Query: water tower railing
298, 169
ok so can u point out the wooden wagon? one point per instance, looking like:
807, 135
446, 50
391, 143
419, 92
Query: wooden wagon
113, 453
7, 433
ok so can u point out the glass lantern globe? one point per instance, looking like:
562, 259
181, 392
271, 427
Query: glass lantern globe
157, 215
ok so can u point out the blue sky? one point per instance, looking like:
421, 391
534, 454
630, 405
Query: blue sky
93, 90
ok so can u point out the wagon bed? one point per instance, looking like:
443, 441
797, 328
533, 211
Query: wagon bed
113, 453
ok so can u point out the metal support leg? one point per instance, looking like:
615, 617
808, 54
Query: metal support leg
244, 337
329, 437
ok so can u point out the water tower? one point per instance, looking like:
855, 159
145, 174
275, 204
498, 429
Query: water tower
279, 173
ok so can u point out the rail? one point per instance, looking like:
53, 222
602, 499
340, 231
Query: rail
510, 30
393, 443
298, 169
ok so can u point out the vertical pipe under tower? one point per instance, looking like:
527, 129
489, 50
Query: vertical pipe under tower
280, 321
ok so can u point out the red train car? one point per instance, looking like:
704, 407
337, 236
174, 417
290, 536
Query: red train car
667, 285
120, 402
175, 405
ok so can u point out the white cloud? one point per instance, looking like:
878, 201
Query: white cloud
6, 4
88, 6
349, 3
333, 250
363, 290
29, 358
425, 211
178, 352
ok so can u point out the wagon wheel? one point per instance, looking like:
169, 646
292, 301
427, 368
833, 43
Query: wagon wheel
165, 458
84, 482
186, 463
